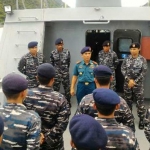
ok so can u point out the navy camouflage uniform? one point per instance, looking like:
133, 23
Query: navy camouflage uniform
109, 59
147, 124
85, 76
123, 115
28, 66
120, 137
135, 68
61, 62
53, 109
22, 128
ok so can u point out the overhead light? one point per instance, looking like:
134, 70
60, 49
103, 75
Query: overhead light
8, 9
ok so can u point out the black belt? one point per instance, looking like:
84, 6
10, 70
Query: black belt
86, 83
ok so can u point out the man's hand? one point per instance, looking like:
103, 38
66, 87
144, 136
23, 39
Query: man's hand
131, 83
72, 92
41, 138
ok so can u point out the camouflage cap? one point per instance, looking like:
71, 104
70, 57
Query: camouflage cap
135, 45
32, 44
46, 70
102, 71
106, 43
106, 96
1, 126
59, 41
86, 49
87, 133
14, 83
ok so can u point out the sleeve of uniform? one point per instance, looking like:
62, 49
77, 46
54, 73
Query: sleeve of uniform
75, 71
125, 116
61, 125
22, 65
115, 60
69, 59
147, 125
124, 70
143, 72
33, 133
51, 59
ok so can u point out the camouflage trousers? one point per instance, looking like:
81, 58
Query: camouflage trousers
136, 93
64, 79
113, 82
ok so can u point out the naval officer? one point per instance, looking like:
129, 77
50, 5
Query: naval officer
83, 71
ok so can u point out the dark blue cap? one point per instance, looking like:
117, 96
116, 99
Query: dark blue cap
135, 45
1, 126
87, 133
106, 43
106, 96
14, 83
86, 49
32, 44
102, 71
59, 41
46, 70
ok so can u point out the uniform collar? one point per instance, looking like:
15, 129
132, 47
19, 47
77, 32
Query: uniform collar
14, 105
108, 121
90, 62
45, 87
33, 56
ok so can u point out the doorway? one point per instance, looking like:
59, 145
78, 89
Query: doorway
95, 39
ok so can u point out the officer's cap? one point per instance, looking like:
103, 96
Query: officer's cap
135, 45
87, 133
106, 43
102, 71
46, 70
59, 41
105, 96
86, 49
32, 44
1, 126
14, 83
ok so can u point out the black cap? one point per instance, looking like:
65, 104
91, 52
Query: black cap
87, 133
32, 44
106, 43
14, 83
59, 41
102, 71
135, 45
46, 70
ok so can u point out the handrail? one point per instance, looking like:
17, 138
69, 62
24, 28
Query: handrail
96, 21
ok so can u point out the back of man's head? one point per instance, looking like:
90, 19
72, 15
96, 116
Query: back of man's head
13, 84
102, 74
45, 73
87, 133
105, 100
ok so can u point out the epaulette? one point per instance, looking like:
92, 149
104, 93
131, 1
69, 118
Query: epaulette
94, 62
78, 62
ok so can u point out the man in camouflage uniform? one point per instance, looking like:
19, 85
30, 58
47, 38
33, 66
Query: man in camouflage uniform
120, 137
147, 124
109, 58
52, 107
1, 131
134, 69
86, 133
29, 63
60, 59
22, 127
83, 72
103, 76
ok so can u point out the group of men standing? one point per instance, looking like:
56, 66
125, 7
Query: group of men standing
93, 96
